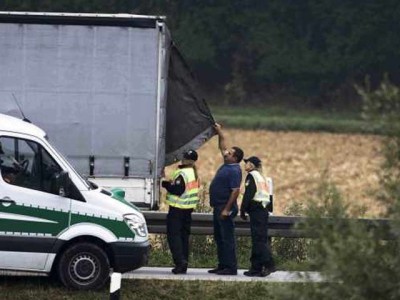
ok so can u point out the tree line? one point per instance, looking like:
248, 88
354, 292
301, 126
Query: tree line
309, 52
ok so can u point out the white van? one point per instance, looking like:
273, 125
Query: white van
53, 221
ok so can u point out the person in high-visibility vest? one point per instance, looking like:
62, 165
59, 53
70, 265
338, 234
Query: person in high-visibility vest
182, 198
255, 202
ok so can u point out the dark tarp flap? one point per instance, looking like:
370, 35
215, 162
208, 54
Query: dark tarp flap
189, 122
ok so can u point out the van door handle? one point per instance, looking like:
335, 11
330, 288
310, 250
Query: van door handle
6, 201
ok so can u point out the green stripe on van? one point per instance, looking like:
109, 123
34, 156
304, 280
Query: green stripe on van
58, 220
54, 222
118, 227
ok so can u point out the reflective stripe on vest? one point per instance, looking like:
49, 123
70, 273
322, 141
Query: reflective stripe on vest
262, 194
190, 197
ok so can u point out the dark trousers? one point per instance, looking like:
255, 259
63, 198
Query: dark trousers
260, 251
178, 231
224, 236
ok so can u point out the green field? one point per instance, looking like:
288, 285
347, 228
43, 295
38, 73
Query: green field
289, 119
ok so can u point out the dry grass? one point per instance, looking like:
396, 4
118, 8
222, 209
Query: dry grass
296, 161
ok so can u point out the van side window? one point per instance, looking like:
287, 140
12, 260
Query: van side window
27, 164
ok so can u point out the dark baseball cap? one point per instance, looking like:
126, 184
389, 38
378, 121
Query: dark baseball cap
254, 160
190, 154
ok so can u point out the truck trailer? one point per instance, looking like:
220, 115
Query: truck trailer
112, 92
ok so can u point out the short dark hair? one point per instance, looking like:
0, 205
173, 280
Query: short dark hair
238, 154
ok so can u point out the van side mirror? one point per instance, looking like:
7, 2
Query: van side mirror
62, 183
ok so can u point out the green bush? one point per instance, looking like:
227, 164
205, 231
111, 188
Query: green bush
352, 257
292, 253
355, 259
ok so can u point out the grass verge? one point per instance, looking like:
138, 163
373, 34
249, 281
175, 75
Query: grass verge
46, 289
289, 254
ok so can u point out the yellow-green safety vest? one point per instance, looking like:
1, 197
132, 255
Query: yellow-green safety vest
190, 197
262, 193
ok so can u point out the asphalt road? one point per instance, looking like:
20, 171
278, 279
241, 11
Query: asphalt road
157, 273
202, 274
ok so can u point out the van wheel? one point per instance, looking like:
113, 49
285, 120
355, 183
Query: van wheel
84, 266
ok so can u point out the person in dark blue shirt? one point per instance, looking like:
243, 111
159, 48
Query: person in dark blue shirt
224, 190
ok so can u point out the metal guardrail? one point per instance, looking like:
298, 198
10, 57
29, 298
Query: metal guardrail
279, 226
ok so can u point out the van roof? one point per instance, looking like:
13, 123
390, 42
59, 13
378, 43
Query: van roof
12, 124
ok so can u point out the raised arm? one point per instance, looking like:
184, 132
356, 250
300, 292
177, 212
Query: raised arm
221, 138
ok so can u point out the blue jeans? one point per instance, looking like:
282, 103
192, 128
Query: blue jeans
224, 235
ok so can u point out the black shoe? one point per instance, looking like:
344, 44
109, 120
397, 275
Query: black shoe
255, 273
179, 270
268, 270
213, 271
226, 271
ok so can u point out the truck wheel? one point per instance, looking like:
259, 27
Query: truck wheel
84, 266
